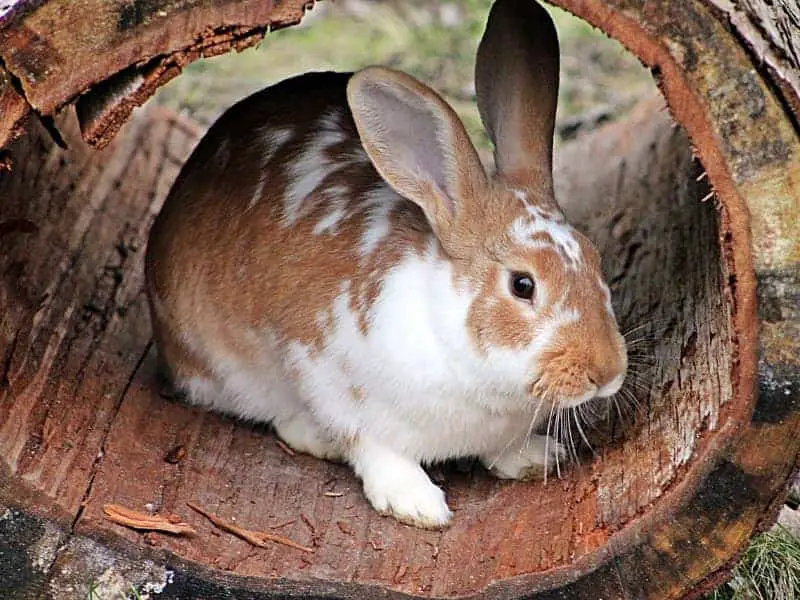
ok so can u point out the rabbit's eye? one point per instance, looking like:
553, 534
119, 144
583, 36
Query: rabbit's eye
522, 285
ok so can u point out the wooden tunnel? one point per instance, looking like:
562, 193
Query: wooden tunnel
696, 211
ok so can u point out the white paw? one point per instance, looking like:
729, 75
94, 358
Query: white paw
301, 433
530, 461
408, 495
398, 486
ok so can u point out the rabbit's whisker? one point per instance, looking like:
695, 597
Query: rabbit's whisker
547, 441
578, 416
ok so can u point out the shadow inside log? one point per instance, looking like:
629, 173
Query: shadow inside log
637, 191
82, 423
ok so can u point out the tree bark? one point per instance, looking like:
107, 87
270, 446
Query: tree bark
771, 32
122, 51
699, 227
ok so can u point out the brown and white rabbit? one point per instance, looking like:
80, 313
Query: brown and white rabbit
333, 258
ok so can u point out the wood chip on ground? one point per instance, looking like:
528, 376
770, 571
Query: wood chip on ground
139, 520
256, 538
176, 455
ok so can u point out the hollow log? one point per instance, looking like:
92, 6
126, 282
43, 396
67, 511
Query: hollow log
696, 209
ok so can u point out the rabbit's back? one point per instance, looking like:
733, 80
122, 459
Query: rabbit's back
277, 213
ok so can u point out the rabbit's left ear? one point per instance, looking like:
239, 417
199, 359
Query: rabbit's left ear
418, 144
516, 80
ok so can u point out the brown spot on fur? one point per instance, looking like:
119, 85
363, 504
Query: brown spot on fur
589, 348
574, 368
590, 254
544, 238
255, 275
498, 320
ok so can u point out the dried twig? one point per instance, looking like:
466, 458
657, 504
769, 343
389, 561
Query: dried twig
333, 494
284, 524
344, 527
308, 523
256, 538
137, 520
314, 537
285, 448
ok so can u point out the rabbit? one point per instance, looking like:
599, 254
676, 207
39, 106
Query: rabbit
334, 259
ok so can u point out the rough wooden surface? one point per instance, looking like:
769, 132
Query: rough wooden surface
114, 55
13, 110
664, 507
771, 30
121, 51
83, 425
663, 264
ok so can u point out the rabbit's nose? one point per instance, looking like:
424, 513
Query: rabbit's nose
608, 372
611, 387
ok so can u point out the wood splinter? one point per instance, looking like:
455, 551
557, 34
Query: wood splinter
256, 538
137, 520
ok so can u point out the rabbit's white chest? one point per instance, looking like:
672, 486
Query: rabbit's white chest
414, 380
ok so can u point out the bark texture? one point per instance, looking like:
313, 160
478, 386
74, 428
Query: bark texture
699, 226
771, 30
121, 51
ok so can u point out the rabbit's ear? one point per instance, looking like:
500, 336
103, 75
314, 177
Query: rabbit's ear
417, 144
516, 80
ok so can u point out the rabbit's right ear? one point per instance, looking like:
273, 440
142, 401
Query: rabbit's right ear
516, 81
418, 145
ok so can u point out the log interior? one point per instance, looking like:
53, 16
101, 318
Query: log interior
81, 422
646, 203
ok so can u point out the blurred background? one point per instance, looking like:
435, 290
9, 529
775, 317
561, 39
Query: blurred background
434, 41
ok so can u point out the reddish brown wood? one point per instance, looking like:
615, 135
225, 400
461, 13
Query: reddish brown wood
85, 426
13, 110
663, 508
120, 52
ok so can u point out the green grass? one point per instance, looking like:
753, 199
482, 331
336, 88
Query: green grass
769, 570
93, 594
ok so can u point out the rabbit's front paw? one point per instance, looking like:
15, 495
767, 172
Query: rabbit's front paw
528, 461
399, 487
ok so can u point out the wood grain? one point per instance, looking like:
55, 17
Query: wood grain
689, 246
13, 111
84, 425
771, 31
121, 51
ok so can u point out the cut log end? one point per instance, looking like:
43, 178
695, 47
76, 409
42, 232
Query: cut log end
684, 469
